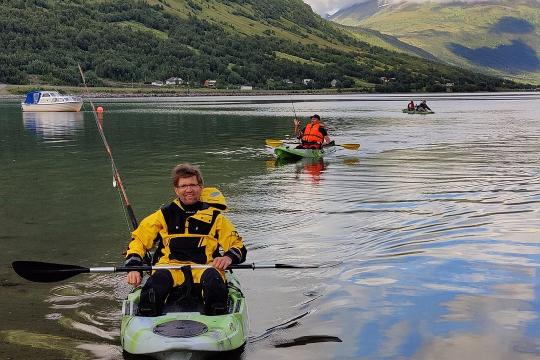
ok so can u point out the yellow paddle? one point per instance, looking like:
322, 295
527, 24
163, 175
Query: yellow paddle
276, 143
349, 146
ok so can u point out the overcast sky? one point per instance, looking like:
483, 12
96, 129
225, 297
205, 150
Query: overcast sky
331, 6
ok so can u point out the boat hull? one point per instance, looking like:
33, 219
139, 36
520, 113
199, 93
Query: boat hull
418, 112
142, 335
292, 153
57, 107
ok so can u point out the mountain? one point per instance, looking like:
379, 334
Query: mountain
353, 14
498, 37
267, 44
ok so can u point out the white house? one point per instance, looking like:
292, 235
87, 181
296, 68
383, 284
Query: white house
307, 81
210, 83
246, 88
157, 83
333, 83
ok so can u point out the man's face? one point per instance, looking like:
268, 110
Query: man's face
314, 120
188, 190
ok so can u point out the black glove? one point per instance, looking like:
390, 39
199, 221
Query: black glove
134, 260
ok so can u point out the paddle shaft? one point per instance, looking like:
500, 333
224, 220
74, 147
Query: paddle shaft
251, 266
276, 143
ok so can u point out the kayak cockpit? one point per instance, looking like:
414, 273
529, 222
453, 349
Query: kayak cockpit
184, 327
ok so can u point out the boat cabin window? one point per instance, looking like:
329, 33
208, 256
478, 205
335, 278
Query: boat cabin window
45, 95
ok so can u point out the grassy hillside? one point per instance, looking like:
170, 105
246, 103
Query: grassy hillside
500, 38
235, 42
385, 41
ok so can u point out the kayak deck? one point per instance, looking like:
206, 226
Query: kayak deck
184, 329
292, 153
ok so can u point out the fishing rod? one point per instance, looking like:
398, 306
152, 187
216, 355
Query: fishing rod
45, 272
117, 181
296, 129
294, 110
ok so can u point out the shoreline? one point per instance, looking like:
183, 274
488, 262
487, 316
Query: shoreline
18, 91
15, 91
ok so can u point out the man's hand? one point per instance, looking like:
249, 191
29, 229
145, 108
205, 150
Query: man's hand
296, 122
222, 262
134, 278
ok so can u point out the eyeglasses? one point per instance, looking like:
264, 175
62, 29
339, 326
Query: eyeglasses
188, 186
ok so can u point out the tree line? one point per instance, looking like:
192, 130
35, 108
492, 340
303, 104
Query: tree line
134, 41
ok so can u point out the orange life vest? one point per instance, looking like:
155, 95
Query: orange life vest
312, 134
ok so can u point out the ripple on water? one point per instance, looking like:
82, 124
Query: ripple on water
86, 306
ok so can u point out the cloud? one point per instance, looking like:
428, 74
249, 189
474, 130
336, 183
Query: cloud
331, 6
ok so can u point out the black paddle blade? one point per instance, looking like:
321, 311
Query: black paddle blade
46, 272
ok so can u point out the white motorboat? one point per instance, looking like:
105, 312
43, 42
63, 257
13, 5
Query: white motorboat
51, 101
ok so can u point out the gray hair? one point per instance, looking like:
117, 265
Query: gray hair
186, 171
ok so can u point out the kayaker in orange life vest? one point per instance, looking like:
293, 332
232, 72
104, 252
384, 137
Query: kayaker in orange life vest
314, 135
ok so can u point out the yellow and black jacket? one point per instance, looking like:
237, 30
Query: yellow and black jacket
189, 236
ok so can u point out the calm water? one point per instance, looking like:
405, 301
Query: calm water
436, 221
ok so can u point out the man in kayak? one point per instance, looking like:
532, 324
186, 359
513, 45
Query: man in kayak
314, 135
422, 106
190, 230
411, 106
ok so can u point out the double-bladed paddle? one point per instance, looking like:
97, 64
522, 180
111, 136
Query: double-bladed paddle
44, 272
276, 143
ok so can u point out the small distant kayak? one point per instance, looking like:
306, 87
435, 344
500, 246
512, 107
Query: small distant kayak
183, 328
292, 153
407, 111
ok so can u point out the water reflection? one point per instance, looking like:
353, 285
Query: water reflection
53, 126
314, 168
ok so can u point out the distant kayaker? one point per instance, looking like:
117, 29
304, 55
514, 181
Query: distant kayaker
423, 106
411, 106
314, 135
190, 230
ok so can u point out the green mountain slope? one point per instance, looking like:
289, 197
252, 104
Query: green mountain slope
235, 42
497, 37
386, 41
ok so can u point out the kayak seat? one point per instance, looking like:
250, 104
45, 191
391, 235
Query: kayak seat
179, 301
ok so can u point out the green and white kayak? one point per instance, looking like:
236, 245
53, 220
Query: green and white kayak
182, 330
292, 153
418, 112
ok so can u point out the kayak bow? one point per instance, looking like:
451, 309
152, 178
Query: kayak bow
183, 328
